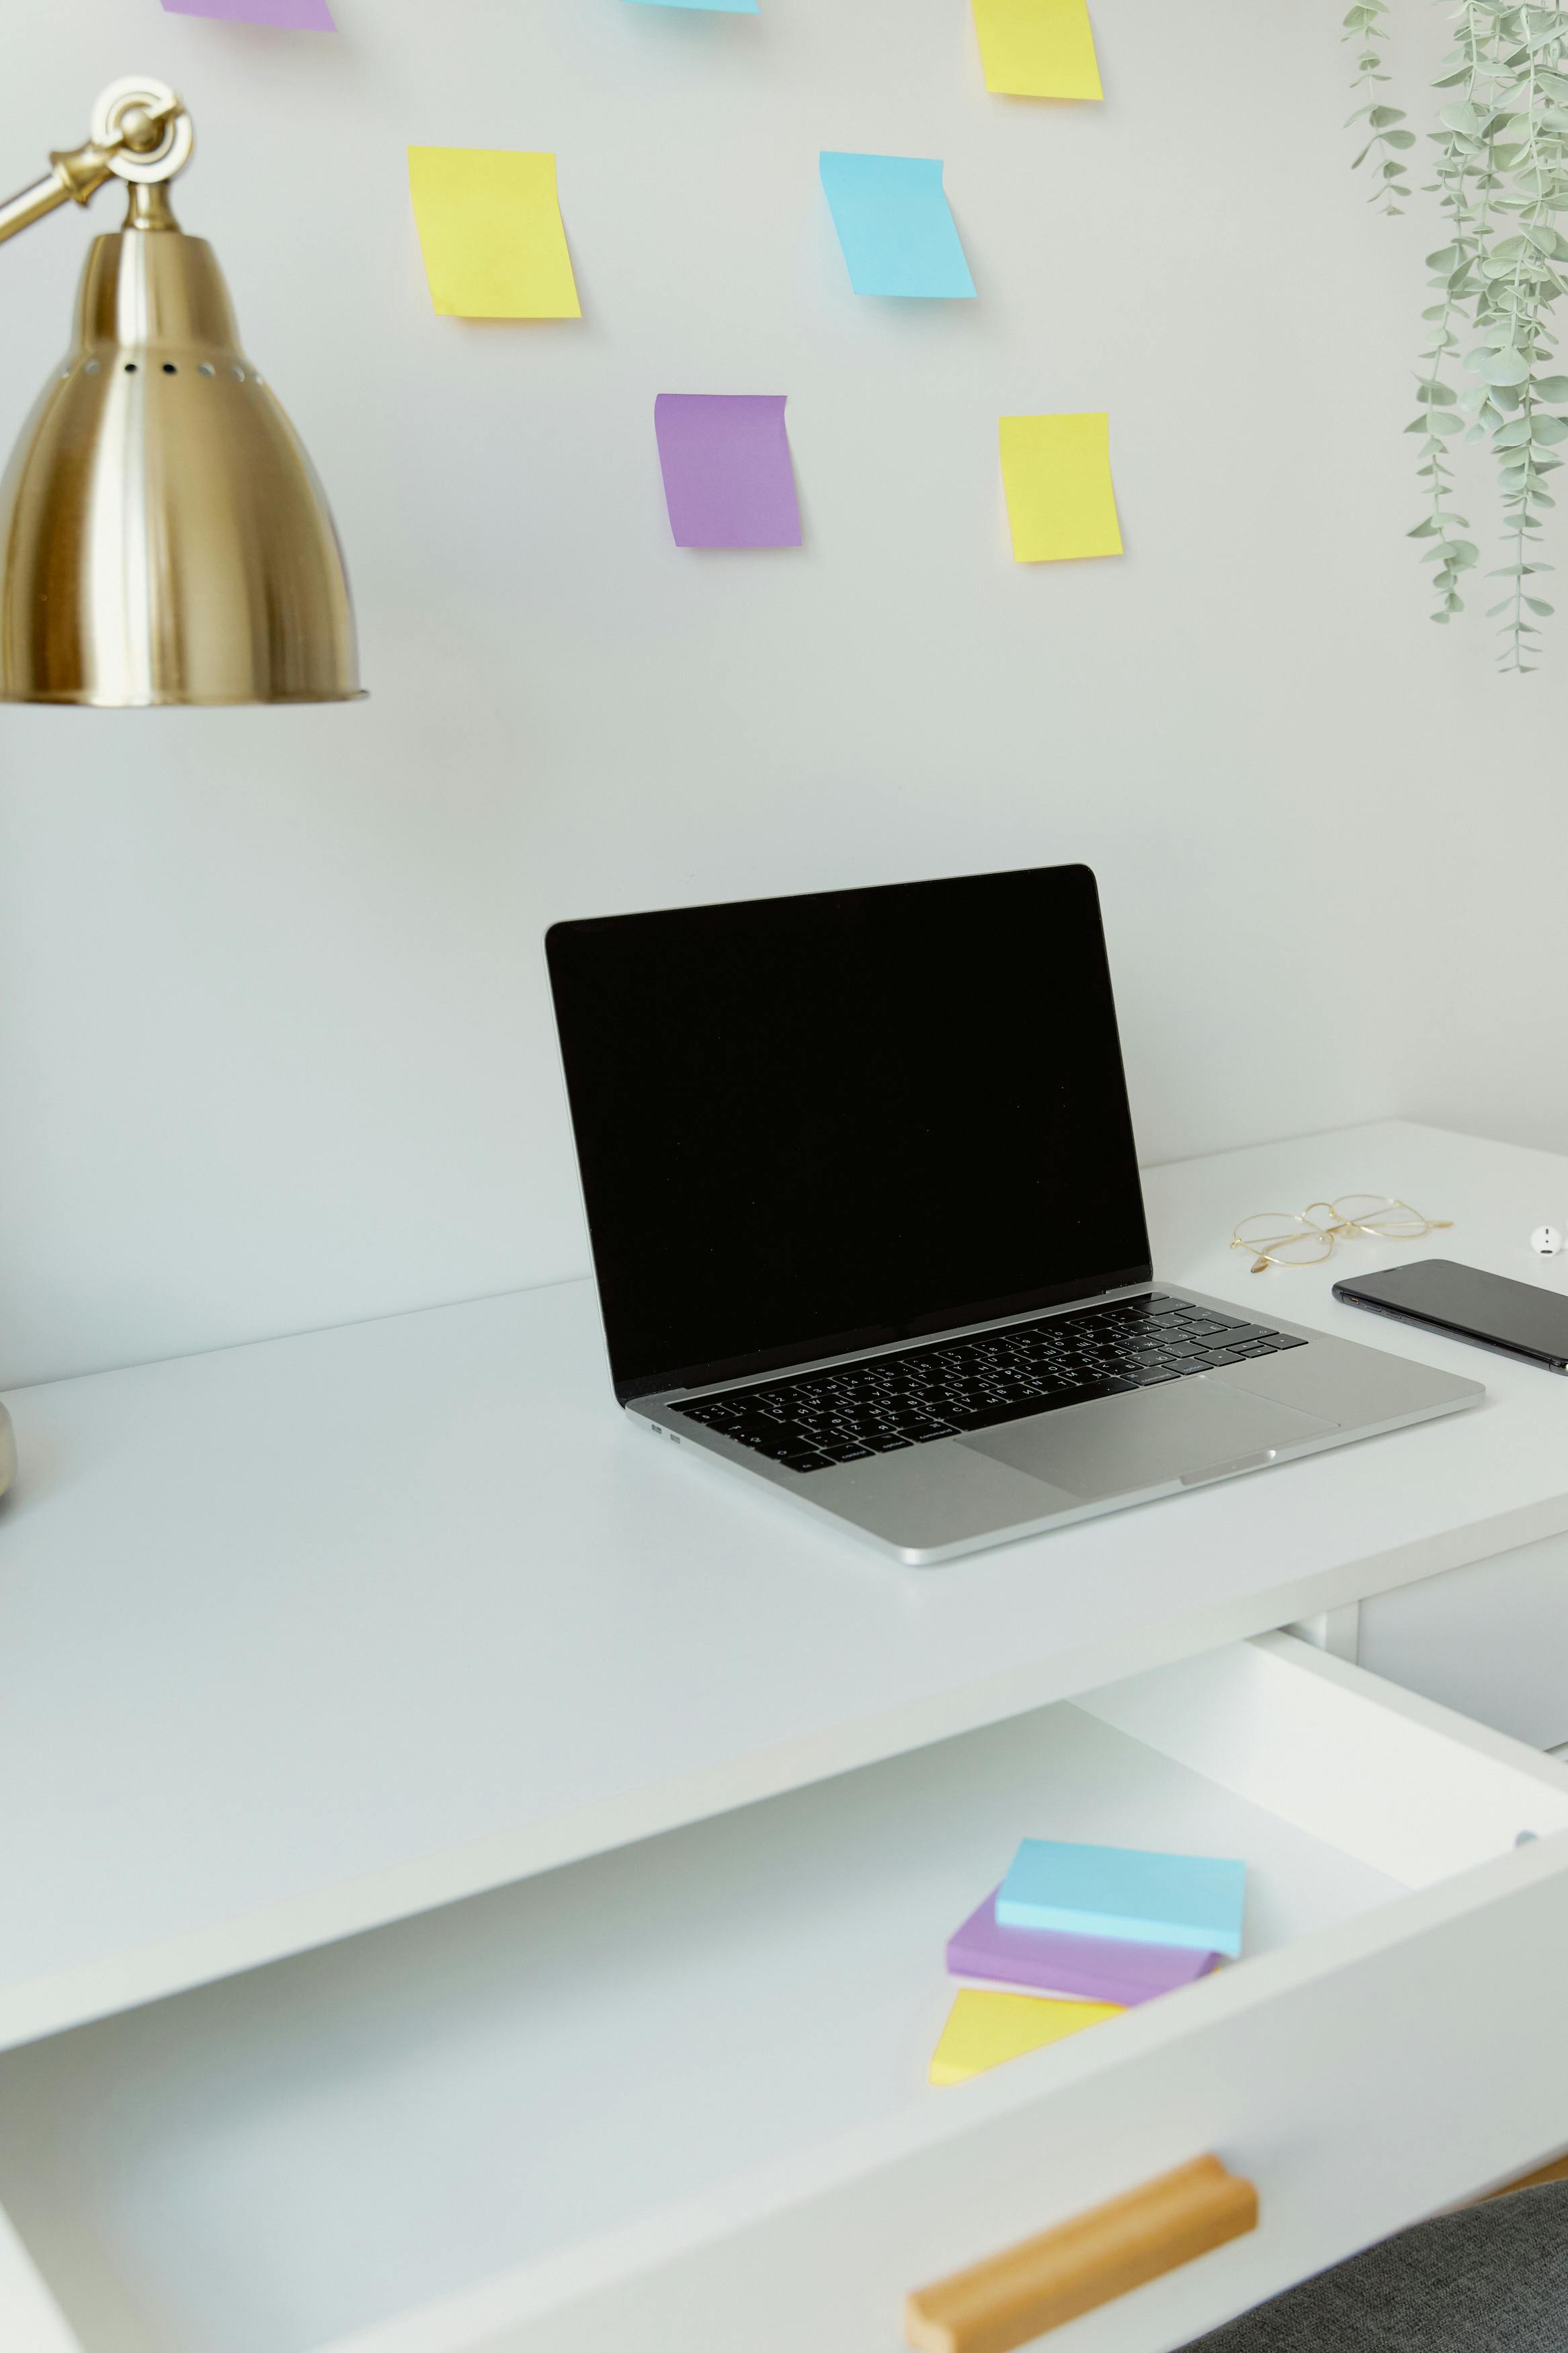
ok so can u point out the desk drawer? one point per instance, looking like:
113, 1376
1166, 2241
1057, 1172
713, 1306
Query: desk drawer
1491, 1640
674, 2097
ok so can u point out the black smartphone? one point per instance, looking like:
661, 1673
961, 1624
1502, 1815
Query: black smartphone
1490, 1310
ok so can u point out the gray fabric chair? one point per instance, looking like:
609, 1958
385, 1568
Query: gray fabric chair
1490, 2279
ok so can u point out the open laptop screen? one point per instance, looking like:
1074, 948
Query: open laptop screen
818, 1123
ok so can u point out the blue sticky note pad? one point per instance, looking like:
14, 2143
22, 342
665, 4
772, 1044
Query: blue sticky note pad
1192, 1900
893, 222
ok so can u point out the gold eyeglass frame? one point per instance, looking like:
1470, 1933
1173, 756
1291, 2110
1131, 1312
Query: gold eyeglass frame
1394, 1221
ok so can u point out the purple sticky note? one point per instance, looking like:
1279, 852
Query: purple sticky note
293, 16
1086, 1968
728, 479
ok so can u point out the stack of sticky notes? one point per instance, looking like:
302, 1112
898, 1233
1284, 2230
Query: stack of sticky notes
1075, 1935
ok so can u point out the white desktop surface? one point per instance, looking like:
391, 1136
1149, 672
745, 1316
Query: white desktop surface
304, 1636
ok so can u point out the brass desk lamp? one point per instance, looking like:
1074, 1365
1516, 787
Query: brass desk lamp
164, 538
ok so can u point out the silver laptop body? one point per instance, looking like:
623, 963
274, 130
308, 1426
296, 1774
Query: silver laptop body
831, 1114
954, 1495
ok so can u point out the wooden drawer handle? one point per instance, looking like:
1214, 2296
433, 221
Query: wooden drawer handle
1009, 2298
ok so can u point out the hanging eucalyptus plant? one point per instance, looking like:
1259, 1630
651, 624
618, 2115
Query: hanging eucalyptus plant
1502, 178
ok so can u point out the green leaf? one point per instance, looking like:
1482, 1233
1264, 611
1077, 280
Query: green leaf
1500, 367
1381, 117
1552, 387
1550, 429
1395, 138
1493, 610
1437, 396
1446, 258
1509, 436
1539, 605
1426, 529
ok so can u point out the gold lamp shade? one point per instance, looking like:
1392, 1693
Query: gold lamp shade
164, 538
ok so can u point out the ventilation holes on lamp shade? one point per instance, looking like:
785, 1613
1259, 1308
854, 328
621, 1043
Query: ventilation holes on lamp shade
205, 367
169, 369
130, 367
91, 368
237, 374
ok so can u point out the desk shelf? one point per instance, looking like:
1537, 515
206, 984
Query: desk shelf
517, 2099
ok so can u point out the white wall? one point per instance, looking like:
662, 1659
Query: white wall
275, 1047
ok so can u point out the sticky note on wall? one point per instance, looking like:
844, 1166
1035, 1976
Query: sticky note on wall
1060, 502
1037, 48
728, 477
894, 224
491, 234
290, 15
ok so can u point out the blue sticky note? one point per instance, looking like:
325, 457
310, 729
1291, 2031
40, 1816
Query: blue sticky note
1192, 1900
729, 7
893, 222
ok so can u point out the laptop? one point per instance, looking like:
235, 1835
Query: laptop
867, 1229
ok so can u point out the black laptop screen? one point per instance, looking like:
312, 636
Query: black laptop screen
815, 1123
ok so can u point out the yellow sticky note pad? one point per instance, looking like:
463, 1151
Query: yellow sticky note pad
1056, 474
491, 231
1037, 48
983, 2029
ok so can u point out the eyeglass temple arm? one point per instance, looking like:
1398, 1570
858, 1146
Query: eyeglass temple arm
77, 173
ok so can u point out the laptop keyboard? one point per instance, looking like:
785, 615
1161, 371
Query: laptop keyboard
850, 1411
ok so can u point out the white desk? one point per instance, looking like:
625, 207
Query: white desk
412, 1601
305, 1637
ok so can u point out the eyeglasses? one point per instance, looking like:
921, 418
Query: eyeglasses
1278, 1238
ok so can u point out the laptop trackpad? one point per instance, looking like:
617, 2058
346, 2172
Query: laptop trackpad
1148, 1438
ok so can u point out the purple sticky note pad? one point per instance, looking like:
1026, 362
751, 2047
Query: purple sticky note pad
292, 15
1084, 1968
728, 479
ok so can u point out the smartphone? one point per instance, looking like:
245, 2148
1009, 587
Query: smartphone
1490, 1310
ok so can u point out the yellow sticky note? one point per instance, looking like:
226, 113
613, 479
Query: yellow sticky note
1056, 474
1037, 48
984, 2028
491, 231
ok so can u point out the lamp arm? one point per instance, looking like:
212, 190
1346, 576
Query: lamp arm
77, 175
139, 132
